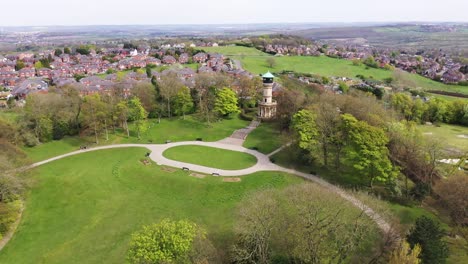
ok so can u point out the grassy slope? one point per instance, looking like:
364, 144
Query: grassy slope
266, 138
83, 209
211, 157
255, 62
448, 135
175, 129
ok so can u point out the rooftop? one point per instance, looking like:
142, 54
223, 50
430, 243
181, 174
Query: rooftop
268, 75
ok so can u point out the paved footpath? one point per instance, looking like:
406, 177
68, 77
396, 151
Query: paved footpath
263, 164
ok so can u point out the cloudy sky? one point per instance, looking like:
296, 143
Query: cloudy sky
151, 12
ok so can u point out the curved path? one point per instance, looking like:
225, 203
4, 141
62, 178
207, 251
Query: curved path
263, 164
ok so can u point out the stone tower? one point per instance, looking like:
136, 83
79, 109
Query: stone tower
267, 107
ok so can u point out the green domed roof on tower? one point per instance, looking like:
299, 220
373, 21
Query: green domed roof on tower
268, 75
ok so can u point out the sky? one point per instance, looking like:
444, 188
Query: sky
157, 12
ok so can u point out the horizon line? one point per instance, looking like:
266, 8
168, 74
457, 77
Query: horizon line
243, 24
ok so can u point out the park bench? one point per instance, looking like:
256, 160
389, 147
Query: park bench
168, 141
185, 169
199, 139
215, 174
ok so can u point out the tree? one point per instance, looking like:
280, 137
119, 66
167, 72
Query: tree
343, 87
329, 124
183, 102
436, 110
271, 62
58, 52
205, 87
137, 114
428, 234
289, 102
94, 114
453, 196
38, 65
67, 50
403, 254
147, 95
123, 114
368, 151
170, 242
304, 123
248, 91
83, 50
303, 223
226, 102
370, 62
19, 65
402, 103
254, 229
169, 86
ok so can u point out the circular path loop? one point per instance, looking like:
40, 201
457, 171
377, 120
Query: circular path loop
263, 164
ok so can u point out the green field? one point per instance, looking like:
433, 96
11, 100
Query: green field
235, 51
449, 98
211, 157
254, 61
176, 129
450, 136
266, 138
83, 209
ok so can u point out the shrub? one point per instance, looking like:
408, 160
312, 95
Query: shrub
428, 234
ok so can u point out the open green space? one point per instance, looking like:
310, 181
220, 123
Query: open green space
449, 98
235, 51
211, 157
84, 208
254, 61
451, 136
176, 129
266, 138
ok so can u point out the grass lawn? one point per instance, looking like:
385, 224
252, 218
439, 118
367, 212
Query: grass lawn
175, 129
235, 51
266, 138
211, 157
448, 135
83, 209
254, 61
449, 98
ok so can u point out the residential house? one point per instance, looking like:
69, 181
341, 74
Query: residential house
168, 59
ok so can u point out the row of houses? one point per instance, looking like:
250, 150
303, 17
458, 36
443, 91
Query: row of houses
209, 63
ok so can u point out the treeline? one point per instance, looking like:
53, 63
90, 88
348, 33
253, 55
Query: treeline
435, 110
12, 186
65, 112
355, 134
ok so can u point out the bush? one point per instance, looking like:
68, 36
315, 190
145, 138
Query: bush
171, 242
8, 215
428, 234
420, 191
452, 194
